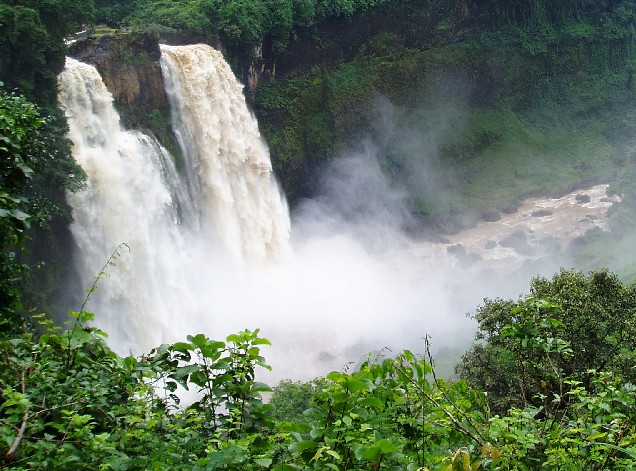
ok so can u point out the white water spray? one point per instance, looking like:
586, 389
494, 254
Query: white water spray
127, 199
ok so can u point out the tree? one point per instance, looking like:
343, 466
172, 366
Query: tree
304, 12
595, 315
291, 399
187, 17
34, 157
23, 50
68, 402
278, 21
32, 46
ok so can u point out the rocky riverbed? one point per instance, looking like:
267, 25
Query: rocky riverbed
541, 227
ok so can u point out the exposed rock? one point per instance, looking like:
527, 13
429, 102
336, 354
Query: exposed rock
577, 243
519, 242
589, 218
541, 213
583, 198
256, 68
457, 249
326, 356
491, 217
550, 243
129, 66
465, 259
469, 259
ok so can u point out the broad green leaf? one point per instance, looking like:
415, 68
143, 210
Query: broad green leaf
356, 386
19, 215
254, 352
305, 445
213, 350
234, 338
372, 453
260, 387
386, 446
335, 376
182, 347
373, 402
263, 462
198, 340
186, 370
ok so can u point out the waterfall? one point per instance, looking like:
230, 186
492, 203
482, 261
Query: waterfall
225, 205
227, 163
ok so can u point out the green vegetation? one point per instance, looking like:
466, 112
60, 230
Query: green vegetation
496, 99
290, 400
502, 99
32, 43
33, 167
238, 23
36, 160
608, 248
491, 116
526, 348
68, 401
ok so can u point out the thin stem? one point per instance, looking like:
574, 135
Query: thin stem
441, 390
453, 419
16, 443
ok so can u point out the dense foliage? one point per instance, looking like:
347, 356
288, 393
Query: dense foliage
593, 317
238, 23
529, 94
32, 43
37, 167
33, 167
496, 99
67, 401
549, 385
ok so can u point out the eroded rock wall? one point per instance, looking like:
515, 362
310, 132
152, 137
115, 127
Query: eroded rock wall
129, 66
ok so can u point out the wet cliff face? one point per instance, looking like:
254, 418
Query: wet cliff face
129, 65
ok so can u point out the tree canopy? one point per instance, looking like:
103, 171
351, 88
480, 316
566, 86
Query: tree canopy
35, 163
594, 315
32, 43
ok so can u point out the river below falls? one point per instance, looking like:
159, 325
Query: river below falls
541, 228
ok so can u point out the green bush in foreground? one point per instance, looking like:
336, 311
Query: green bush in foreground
68, 402
525, 349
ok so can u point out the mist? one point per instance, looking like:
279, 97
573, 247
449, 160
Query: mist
352, 286
357, 281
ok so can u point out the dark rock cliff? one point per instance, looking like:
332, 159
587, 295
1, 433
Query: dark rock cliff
129, 66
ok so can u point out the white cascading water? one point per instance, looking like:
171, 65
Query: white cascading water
227, 163
135, 196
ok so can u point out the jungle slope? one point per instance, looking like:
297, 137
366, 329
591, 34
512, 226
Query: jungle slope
493, 110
